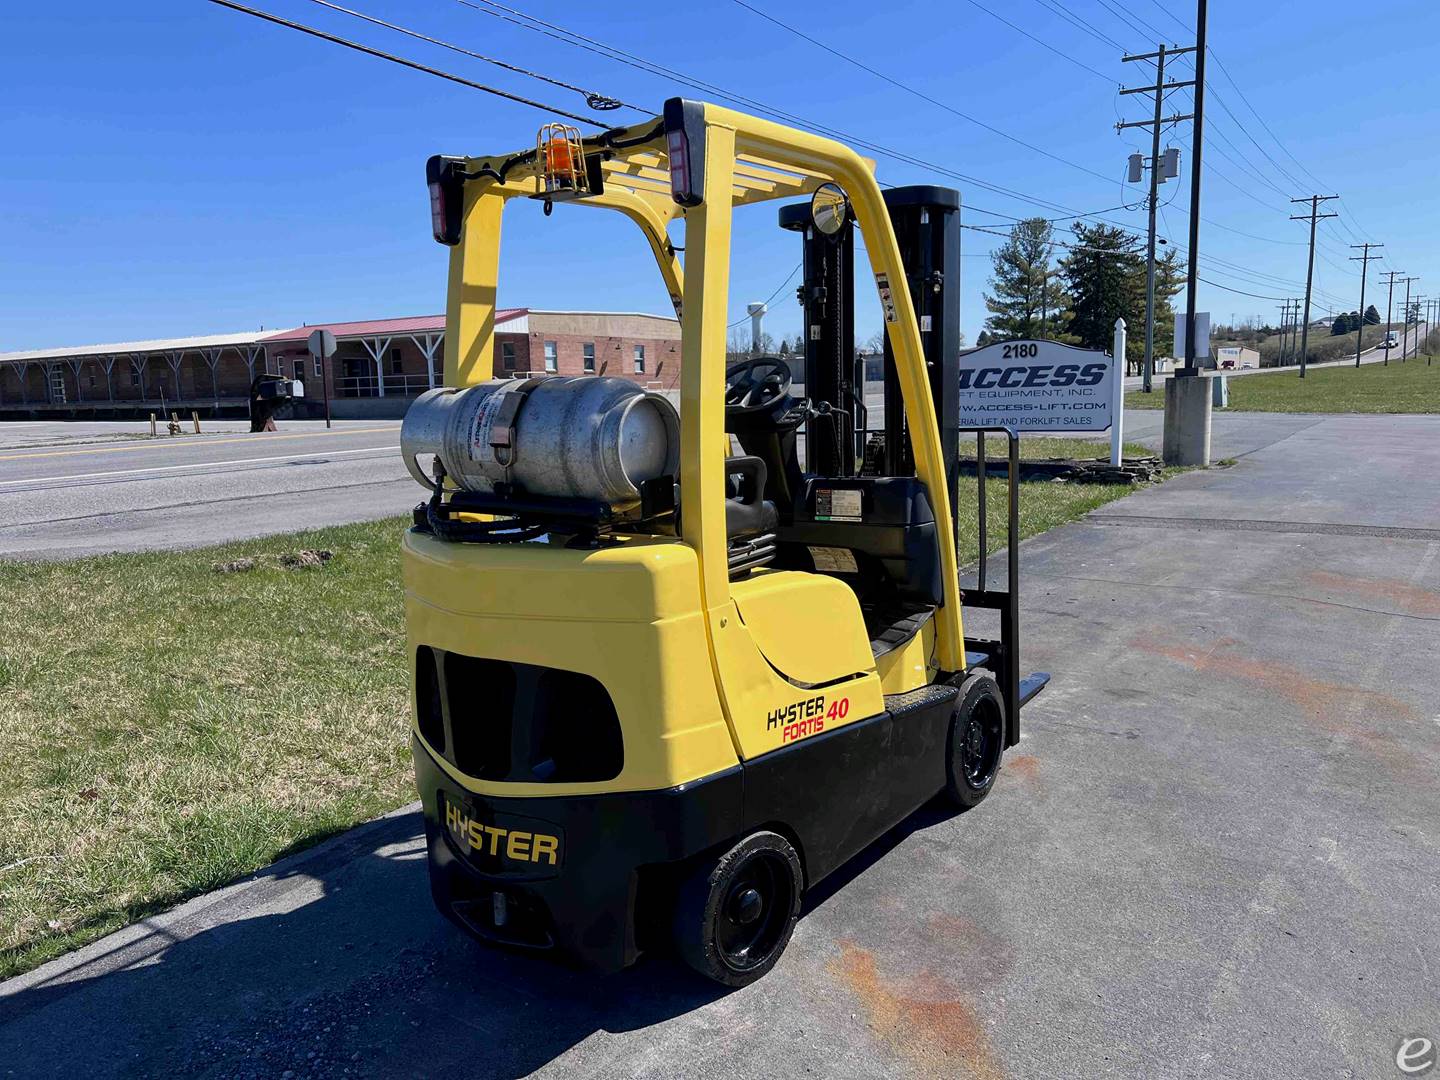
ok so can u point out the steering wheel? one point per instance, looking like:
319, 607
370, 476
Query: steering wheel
755, 386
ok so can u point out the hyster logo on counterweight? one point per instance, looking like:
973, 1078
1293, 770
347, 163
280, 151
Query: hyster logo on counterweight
514, 844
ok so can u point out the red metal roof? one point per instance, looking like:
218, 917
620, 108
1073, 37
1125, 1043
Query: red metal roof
413, 324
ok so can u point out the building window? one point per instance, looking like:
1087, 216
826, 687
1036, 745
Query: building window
590, 357
639, 359
397, 365
318, 371
552, 357
507, 355
300, 370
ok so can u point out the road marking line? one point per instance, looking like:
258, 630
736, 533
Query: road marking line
208, 442
192, 465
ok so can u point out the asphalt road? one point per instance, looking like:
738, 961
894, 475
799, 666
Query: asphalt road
1213, 854
69, 489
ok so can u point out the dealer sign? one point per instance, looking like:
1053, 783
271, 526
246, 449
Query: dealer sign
1036, 386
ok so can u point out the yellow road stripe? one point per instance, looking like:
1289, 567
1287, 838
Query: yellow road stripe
204, 442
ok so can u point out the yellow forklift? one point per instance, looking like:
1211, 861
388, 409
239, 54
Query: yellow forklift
672, 667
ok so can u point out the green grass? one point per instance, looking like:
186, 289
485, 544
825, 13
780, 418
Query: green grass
168, 728
1409, 387
1044, 504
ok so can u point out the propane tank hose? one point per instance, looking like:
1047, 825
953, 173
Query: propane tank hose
499, 531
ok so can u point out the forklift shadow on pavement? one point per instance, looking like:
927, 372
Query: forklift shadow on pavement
335, 952
345, 960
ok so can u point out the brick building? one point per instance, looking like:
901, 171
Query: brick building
380, 365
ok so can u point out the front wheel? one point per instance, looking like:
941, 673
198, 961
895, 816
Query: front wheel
734, 915
977, 739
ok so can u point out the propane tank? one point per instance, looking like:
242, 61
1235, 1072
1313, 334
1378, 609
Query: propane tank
580, 438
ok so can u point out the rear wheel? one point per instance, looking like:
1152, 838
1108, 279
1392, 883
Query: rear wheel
977, 739
735, 913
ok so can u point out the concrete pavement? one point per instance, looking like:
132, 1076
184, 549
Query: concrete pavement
1213, 854
69, 489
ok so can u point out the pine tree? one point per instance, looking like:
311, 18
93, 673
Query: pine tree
1026, 285
1105, 273
1372, 316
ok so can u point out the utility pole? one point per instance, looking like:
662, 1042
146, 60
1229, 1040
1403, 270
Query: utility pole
1430, 329
1159, 90
1418, 337
1364, 260
1196, 149
1285, 331
1312, 217
1405, 321
1390, 309
1432, 313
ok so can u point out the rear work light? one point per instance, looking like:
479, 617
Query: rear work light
685, 146
446, 179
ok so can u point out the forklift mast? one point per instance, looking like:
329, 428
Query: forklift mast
926, 220
832, 374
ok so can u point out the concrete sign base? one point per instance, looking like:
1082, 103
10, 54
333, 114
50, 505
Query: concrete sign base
1187, 420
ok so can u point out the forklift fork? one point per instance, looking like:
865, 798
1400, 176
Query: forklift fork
1003, 656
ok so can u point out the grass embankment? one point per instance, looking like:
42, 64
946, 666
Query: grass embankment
168, 728
1323, 346
1412, 386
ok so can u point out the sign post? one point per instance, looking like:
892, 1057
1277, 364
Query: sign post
1117, 402
322, 347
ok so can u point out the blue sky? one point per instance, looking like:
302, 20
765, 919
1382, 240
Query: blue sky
173, 168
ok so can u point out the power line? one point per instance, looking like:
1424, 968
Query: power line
1133, 24
913, 91
267, 17
1060, 9
1241, 292
560, 33
602, 102
772, 296
1038, 41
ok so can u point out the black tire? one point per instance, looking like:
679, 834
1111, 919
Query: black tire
734, 914
976, 742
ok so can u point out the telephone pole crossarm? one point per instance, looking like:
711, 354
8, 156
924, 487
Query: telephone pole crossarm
1150, 89
1151, 123
1165, 50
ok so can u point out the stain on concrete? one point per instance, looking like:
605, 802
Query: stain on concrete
922, 1017
1021, 766
1336, 709
1411, 599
